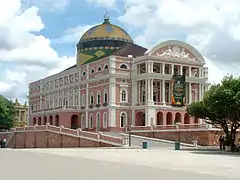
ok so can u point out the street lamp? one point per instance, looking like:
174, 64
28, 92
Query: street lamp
177, 144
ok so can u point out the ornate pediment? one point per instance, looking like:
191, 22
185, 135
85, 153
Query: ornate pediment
176, 52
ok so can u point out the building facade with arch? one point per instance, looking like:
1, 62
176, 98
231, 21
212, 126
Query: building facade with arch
116, 83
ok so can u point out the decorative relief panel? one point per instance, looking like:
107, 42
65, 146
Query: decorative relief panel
175, 52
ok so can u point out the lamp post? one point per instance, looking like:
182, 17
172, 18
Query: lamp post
177, 143
130, 104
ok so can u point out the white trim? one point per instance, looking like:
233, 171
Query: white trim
105, 92
123, 64
98, 100
105, 120
126, 95
105, 66
90, 125
98, 120
187, 46
92, 69
98, 68
126, 119
91, 95
83, 123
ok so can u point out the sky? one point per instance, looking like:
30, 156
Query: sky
38, 37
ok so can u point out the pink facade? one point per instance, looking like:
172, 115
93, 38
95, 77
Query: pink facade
114, 92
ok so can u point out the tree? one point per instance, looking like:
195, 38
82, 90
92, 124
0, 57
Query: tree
7, 113
221, 106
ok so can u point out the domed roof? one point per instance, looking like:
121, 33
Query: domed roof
106, 31
101, 41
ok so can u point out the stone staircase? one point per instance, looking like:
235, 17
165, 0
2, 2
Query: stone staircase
48, 136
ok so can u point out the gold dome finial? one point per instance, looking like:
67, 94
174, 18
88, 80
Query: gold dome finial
106, 17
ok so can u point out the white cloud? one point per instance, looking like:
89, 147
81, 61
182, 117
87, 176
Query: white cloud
212, 28
52, 5
72, 35
24, 56
110, 4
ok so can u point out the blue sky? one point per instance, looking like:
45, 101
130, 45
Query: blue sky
38, 37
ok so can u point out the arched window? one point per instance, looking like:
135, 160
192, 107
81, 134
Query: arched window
98, 97
84, 73
98, 123
99, 68
105, 95
92, 71
123, 119
123, 66
106, 66
91, 99
82, 121
105, 121
123, 96
90, 121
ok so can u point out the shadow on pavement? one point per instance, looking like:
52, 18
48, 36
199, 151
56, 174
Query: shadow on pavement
211, 152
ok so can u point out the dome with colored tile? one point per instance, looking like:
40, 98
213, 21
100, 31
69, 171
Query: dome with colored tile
101, 41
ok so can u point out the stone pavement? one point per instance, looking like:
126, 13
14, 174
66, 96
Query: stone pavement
116, 164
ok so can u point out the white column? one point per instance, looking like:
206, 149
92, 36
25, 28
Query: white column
151, 85
202, 91
181, 70
163, 68
172, 65
146, 67
134, 92
190, 71
190, 93
138, 92
112, 91
148, 90
163, 92
86, 104
40, 102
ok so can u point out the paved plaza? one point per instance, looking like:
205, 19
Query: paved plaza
116, 164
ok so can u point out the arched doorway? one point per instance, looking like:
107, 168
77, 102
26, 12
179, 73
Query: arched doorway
45, 120
186, 119
34, 121
50, 120
169, 118
57, 120
123, 119
39, 121
74, 121
159, 118
140, 119
177, 117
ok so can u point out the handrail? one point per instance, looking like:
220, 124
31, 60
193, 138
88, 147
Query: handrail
76, 132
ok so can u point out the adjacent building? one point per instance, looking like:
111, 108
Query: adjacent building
116, 83
21, 114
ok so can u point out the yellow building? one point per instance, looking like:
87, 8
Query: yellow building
21, 114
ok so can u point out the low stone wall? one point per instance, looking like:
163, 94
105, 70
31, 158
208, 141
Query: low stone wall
204, 137
45, 139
